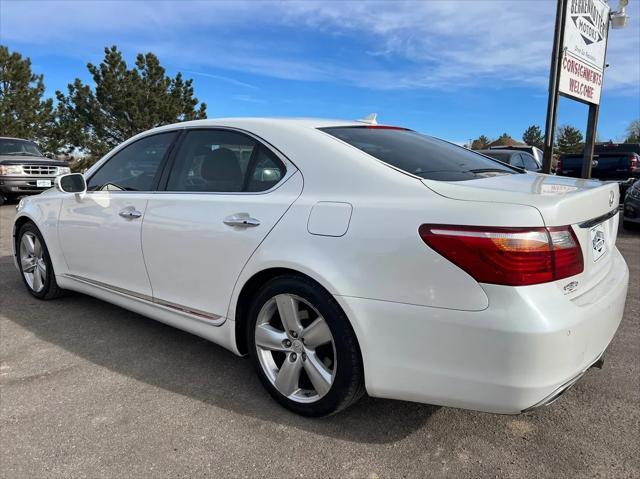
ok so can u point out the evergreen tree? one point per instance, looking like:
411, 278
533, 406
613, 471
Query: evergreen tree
480, 143
23, 111
569, 139
532, 136
124, 102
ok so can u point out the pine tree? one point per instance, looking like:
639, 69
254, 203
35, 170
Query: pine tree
480, 143
569, 139
532, 136
23, 111
124, 102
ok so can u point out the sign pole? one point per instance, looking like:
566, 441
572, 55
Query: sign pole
554, 80
592, 123
590, 140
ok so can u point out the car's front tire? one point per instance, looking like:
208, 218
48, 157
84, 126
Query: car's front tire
303, 347
35, 263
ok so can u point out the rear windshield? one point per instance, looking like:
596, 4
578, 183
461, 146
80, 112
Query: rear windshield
420, 155
504, 157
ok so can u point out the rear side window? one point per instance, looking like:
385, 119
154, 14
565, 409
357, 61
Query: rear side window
220, 161
420, 155
530, 163
516, 160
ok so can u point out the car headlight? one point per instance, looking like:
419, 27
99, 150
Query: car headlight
64, 170
11, 170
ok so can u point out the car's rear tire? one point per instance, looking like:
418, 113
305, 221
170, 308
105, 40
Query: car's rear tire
35, 263
303, 347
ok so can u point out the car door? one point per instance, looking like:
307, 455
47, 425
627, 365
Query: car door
223, 192
100, 231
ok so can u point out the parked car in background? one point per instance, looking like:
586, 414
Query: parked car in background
24, 170
343, 257
532, 150
621, 167
631, 211
519, 159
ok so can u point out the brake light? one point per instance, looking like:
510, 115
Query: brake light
559, 165
633, 163
508, 256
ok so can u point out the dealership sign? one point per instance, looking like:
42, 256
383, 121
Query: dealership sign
583, 51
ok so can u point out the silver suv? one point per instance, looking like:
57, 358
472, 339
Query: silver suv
24, 170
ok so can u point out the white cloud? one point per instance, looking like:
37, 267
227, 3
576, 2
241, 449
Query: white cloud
429, 44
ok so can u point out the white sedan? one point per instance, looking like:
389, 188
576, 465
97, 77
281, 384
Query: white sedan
343, 257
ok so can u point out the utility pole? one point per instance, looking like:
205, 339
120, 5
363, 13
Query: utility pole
554, 80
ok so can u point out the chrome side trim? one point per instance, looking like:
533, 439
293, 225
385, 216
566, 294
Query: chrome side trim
599, 219
143, 297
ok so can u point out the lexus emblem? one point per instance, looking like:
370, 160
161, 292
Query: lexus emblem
612, 197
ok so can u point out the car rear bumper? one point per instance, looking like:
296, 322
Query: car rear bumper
528, 346
26, 185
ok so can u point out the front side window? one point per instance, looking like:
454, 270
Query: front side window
220, 161
135, 167
420, 155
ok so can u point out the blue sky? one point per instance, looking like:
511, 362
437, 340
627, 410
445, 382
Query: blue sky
454, 69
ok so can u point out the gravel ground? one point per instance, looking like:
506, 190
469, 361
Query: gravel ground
91, 390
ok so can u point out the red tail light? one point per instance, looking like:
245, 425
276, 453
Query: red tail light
508, 256
633, 163
559, 166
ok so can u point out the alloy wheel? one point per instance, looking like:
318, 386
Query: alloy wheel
295, 348
34, 266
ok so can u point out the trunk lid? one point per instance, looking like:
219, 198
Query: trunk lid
589, 206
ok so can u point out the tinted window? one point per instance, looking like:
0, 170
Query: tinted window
14, 147
266, 172
516, 160
223, 161
530, 163
134, 167
420, 155
503, 156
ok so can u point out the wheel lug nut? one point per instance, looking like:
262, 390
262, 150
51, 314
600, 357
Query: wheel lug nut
304, 356
287, 343
293, 357
294, 334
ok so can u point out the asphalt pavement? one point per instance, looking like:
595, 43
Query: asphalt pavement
88, 389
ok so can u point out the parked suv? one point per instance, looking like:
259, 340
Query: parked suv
24, 170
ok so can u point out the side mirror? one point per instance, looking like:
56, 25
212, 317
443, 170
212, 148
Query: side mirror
71, 183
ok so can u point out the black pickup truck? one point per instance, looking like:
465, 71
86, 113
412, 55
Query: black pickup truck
24, 170
611, 162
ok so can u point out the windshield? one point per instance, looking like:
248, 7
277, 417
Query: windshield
11, 147
420, 155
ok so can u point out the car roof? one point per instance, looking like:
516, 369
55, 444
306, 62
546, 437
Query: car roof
248, 122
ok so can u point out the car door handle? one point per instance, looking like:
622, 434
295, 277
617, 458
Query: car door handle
241, 219
130, 213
